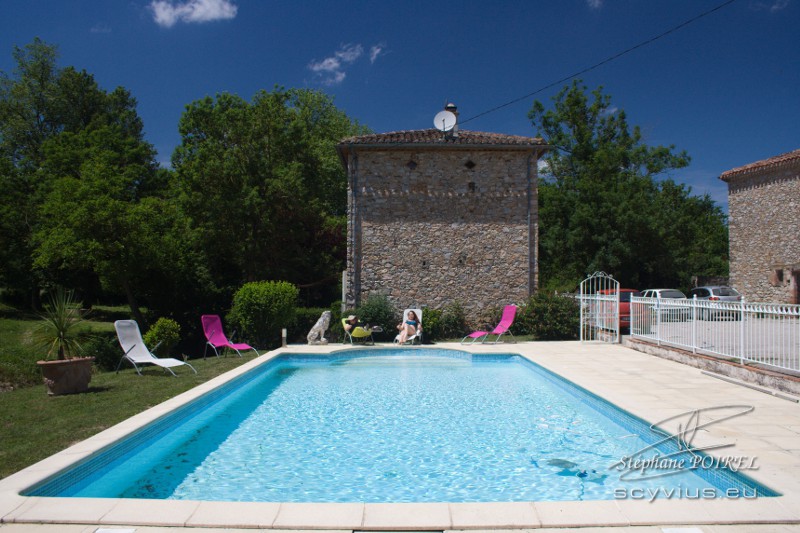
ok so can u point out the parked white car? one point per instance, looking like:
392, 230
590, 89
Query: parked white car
669, 312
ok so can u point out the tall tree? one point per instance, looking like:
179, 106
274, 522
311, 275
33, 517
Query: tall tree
604, 207
98, 218
263, 186
74, 176
28, 116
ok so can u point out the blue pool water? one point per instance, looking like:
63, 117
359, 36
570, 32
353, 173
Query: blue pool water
384, 425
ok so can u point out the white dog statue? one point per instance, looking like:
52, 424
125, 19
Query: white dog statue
317, 333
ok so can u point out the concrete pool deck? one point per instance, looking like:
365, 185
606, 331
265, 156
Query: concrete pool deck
649, 387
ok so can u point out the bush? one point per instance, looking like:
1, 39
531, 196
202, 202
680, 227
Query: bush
163, 336
549, 317
305, 318
105, 349
447, 323
261, 309
377, 310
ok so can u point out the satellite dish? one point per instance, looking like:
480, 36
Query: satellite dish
444, 120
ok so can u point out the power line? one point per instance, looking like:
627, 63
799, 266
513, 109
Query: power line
603, 62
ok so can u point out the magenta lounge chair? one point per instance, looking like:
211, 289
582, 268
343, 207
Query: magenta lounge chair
212, 327
509, 312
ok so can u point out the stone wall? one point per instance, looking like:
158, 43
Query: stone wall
764, 221
437, 226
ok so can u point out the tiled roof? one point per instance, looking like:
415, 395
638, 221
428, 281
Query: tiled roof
772, 162
436, 137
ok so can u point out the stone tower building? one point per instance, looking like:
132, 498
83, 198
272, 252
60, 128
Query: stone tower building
436, 218
764, 206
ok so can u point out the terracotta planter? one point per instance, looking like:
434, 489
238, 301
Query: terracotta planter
67, 377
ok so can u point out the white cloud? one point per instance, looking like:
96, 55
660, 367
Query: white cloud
779, 5
595, 4
350, 52
374, 52
100, 28
772, 7
167, 13
332, 69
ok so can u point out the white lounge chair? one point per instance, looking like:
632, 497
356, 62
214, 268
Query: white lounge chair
130, 338
417, 336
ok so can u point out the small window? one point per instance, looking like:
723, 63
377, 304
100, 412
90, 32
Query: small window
411, 164
776, 277
469, 164
471, 186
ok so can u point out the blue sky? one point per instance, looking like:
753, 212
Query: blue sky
724, 88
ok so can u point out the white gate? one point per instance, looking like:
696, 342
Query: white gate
599, 299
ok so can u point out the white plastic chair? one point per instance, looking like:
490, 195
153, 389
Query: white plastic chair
130, 338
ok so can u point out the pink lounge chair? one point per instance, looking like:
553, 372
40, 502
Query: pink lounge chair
509, 312
215, 336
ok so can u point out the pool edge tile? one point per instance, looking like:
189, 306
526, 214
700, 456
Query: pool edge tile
63, 511
407, 516
234, 514
319, 516
664, 512
496, 515
151, 512
580, 514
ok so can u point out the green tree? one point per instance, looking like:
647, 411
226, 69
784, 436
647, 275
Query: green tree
263, 187
29, 115
80, 187
603, 206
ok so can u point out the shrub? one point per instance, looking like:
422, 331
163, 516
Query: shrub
549, 317
261, 309
163, 336
446, 323
377, 310
105, 349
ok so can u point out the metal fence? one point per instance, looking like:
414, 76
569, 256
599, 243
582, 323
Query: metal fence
599, 301
760, 333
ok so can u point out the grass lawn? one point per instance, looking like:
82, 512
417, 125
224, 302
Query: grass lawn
34, 426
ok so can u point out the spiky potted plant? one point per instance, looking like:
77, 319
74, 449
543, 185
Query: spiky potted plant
64, 371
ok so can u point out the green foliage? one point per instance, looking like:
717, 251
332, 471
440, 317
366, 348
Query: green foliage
601, 206
165, 333
548, 317
59, 332
105, 348
74, 175
305, 318
377, 310
261, 309
264, 185
258, 192
448, 322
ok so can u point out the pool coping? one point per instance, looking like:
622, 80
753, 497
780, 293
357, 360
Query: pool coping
644, 385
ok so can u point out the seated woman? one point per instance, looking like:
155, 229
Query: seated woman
354, 327
409, 327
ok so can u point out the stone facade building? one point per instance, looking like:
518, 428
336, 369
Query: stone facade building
436, 218
764, 206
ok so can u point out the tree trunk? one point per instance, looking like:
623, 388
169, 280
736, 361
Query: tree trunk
36, 299
133, 304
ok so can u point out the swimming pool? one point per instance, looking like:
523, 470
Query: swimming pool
383, 425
